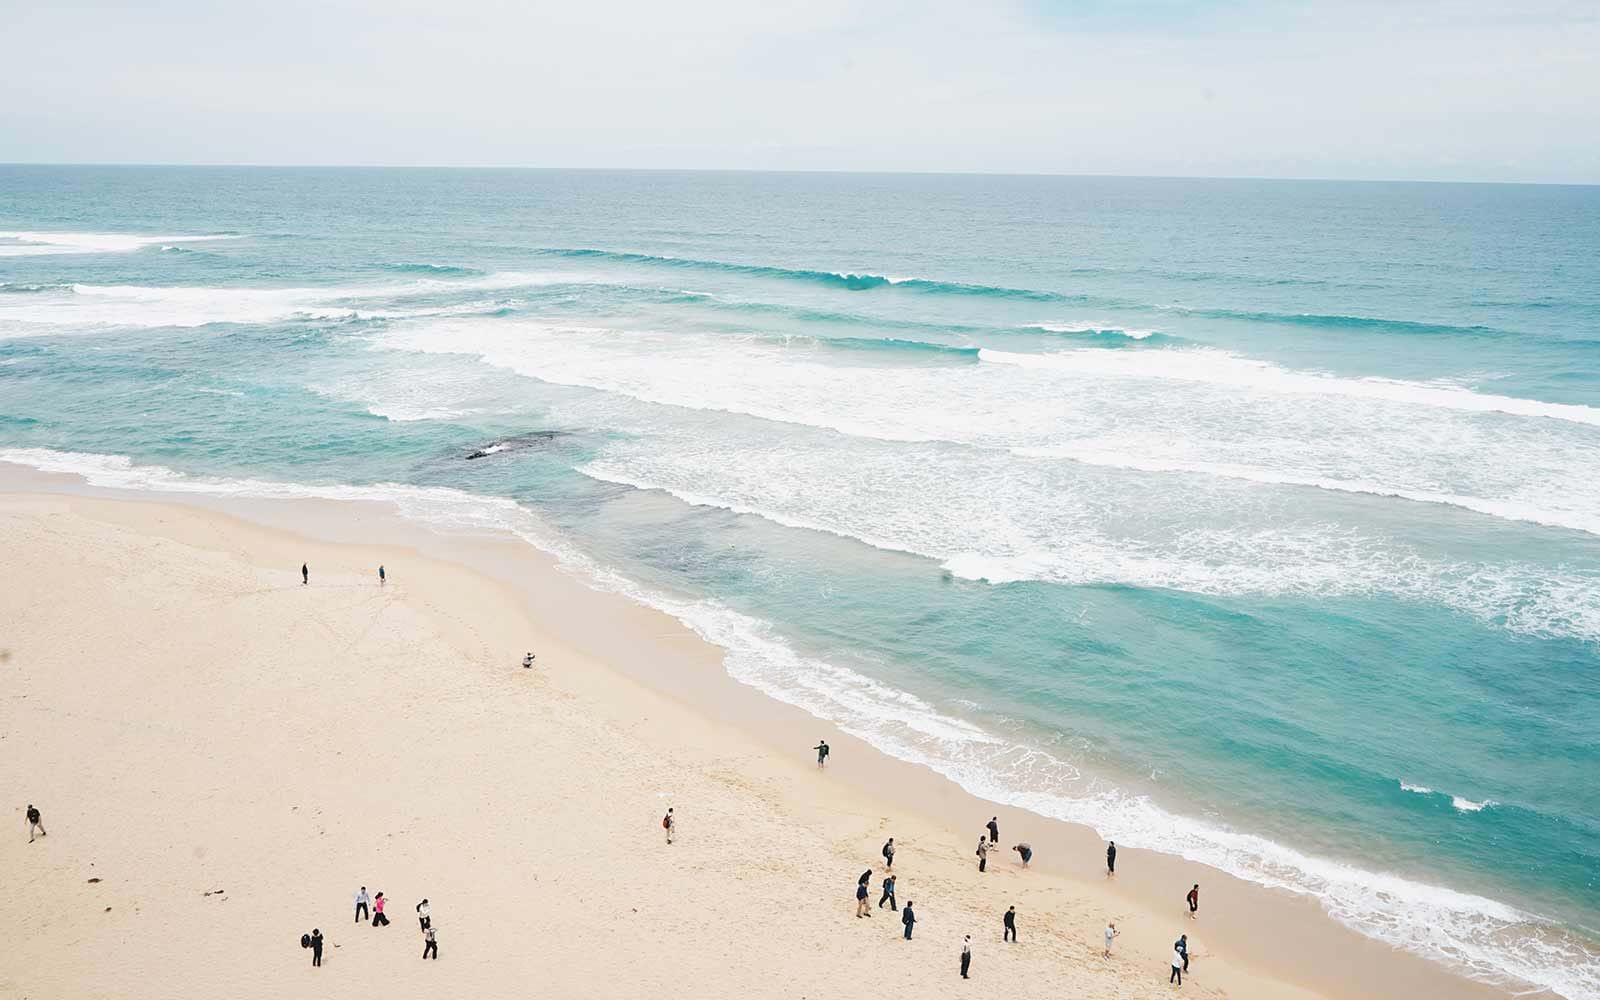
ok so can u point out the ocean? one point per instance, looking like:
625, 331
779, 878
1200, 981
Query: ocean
1253, 521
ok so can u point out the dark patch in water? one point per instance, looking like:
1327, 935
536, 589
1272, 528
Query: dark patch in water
533, 439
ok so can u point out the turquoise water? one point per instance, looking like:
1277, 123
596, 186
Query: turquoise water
1257, 522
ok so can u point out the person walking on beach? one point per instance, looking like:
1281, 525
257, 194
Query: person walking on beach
909, 919
1026, 852
1177, 968
35, 823
888, 853
966, 956
527, 660
305, 573
1010, 933
1111, 859
316, 948
822, 753
430, 944
862, 909
1111, 935
383, 577
983, 854
1181, 946
424, 915
1194, 900
994, 829
378, 919
888, 894
363, 902
669, 823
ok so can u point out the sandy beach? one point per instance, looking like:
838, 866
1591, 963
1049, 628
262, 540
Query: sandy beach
223, 755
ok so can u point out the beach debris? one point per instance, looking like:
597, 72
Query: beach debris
214, 892
93, 881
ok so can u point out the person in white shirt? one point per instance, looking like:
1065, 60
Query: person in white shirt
527, 661
363, 905
1111, 935
424, 914
966, 956
429, 944
1177, 968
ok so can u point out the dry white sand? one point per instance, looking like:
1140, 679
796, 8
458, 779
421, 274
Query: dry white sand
222, 756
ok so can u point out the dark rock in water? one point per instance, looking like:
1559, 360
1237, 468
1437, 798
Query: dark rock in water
530, 440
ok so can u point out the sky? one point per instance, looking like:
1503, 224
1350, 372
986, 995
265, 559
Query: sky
1419, 90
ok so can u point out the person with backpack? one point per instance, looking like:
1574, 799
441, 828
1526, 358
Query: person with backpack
888, 853
1010, 922
862, 909
888, 894
822, 753
378, 919
363, 908
909, 919
669, 823
316, 948
34, 822
430, 944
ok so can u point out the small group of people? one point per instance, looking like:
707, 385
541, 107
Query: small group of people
373, 905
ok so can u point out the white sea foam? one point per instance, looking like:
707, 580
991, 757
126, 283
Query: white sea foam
1093, 327
1468, 806
1472, 934
1419, 789
36, 244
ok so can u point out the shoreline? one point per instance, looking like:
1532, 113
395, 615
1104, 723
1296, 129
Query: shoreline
1252, 941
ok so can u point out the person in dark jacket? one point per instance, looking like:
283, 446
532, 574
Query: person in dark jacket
888, 854
305, 573
1111, 859
1011, 925
316, 947
862, 910
994, 829
430, 943
34, 822
888, 894
909, 919
1181, 946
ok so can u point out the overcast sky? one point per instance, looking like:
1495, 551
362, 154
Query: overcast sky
1431, 89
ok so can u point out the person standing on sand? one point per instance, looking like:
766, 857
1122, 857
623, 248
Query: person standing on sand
669, 823
305, 573
1194, 900
862, 909
1026, 852
382, 576
527, 660
424, 915
430, 944
1177, 968
909, 919
1181, 946
1010, 921
822, 753
966, 956
378, 919
888, 853
316, 948
994, 829
1111, 859
362, 905
888, 894
983, 854
35, 823
1111, 935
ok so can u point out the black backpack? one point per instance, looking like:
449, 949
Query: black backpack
305, 940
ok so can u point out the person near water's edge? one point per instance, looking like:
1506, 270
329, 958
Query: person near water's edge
1111, 935
305, 573
363, 907
994, 829
430, 944
908, 918
862, 909
966, 955
316, 947
1025, 851
888, 854
1111, 859
34, 822
1177, 969
1010, 922
822, 753
383, 577
378, 919
1194, 900
888, 894
983, 854
669, 823
1181, 946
